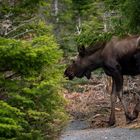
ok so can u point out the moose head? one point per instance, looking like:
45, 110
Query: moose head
79, 66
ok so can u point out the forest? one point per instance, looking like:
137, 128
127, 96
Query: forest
38, 38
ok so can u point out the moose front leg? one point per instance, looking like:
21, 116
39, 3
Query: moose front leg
113, 69
113, 98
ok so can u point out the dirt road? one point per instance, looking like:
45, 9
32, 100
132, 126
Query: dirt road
102, 134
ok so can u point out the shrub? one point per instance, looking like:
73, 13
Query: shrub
31, 105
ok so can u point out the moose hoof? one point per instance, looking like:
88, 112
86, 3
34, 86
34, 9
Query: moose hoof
128, 121
130, 118
111, 123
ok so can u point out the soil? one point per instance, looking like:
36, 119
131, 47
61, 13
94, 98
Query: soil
93, 103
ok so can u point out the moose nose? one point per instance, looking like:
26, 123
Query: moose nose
65, 73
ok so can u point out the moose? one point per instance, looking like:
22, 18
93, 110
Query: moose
116, 57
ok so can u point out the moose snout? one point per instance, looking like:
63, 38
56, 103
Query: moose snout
65, 73
68, 74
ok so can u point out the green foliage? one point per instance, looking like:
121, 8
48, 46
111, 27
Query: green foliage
31, 81
20, 9
20, 58
31, 104
120, 17
131, 12
81, 6
20, 19
92, 32
31, 101
11, 121
129, 15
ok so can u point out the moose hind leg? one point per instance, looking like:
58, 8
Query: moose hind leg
136, 111
134, 115
136, 108
125, 104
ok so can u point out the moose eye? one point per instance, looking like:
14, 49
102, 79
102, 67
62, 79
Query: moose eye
73, 61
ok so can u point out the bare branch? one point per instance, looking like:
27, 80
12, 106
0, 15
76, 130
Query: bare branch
12, 76
21, 25
27, 31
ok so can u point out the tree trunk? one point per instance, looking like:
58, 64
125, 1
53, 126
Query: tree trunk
56, 9
79, 25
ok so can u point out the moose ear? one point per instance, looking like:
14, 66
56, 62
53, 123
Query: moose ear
81, 50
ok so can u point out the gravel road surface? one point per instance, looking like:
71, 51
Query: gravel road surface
102, 134
79, 130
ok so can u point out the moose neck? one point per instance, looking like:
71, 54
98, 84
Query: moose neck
95, 60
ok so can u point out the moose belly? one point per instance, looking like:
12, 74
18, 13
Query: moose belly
130, 67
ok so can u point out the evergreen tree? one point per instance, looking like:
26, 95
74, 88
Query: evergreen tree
31, 102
